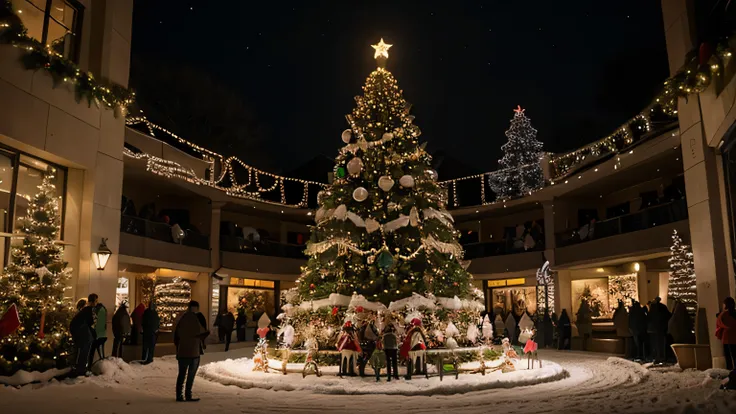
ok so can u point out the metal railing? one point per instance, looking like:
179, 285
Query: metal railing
644, 219
162, 232
497, 248
265, 247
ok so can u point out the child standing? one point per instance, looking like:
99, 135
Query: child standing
391, 348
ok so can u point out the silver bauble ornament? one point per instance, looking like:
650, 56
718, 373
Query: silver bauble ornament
432, 174
360, 194
407, 181
385, 183
355, 166
347, 135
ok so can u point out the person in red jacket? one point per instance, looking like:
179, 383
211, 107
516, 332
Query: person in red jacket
726, 331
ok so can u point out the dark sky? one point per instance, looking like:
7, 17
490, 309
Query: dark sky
579, 67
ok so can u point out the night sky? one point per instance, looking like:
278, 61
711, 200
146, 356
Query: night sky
579, 67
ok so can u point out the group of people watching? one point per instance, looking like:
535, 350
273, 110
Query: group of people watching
89, 332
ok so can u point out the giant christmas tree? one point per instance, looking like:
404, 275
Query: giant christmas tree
35, 282
520, 170
382, 230
682, 286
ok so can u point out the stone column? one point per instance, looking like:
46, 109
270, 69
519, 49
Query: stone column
215, 256
703, 182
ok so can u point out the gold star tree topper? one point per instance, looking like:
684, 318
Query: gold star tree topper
381, 49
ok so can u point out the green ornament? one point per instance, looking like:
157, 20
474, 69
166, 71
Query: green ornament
340, 172
385, 260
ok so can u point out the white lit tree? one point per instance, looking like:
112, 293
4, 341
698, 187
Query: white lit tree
520, 171
682, 286
35, 282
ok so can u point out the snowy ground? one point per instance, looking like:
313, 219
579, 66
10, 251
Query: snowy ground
595, 385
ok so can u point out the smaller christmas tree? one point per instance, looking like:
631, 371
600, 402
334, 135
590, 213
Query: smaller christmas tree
682, 286
520, 170
35, 282
172, 299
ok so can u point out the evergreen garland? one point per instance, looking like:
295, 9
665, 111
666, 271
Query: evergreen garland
37, 56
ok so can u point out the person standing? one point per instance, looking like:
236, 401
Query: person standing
188, 337
240, 323
726, 331
225, 324
82, 328
137, 322
150, 322
391, 348
100, 332
120, 329
638, 329
621, 323
564, 329
657, 320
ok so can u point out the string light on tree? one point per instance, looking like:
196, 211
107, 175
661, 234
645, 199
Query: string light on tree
35, 282
682, 284
521, 171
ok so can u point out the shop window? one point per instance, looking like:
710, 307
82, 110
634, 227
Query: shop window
54, 23
266, 284
29, 177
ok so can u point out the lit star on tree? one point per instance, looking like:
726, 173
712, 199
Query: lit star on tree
381, 49
519, 109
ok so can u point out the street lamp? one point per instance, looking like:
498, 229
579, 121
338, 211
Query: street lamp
102, 255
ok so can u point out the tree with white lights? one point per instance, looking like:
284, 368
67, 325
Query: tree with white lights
682, 286
34, 286
520, 171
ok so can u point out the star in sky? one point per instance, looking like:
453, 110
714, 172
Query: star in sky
519, 109
381, 49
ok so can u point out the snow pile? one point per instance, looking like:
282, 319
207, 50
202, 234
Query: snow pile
115, 370
240, 373
636, 372
24, 377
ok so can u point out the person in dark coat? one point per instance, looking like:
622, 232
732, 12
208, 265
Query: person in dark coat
150, 322
137, 317
225, 323
564, 331
240, 323
188, 336
621, 323
638, 329
82, 328
657, 320
202, 321
120, 329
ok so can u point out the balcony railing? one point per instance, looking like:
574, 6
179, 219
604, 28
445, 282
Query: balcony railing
264, 247
500, 248
161, 231
645, 219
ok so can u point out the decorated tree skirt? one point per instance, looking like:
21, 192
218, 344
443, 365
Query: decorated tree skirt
240, 373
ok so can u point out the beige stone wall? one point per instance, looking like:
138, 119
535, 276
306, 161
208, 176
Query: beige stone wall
47, 122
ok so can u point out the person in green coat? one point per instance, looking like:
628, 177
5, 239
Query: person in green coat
100, 332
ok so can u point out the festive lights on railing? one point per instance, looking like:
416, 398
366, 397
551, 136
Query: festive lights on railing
252, 188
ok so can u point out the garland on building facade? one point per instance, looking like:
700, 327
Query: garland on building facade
37, 56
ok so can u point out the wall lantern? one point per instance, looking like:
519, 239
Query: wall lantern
636, 267
102, 255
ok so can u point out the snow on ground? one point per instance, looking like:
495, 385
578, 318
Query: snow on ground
240, 373
596, 384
